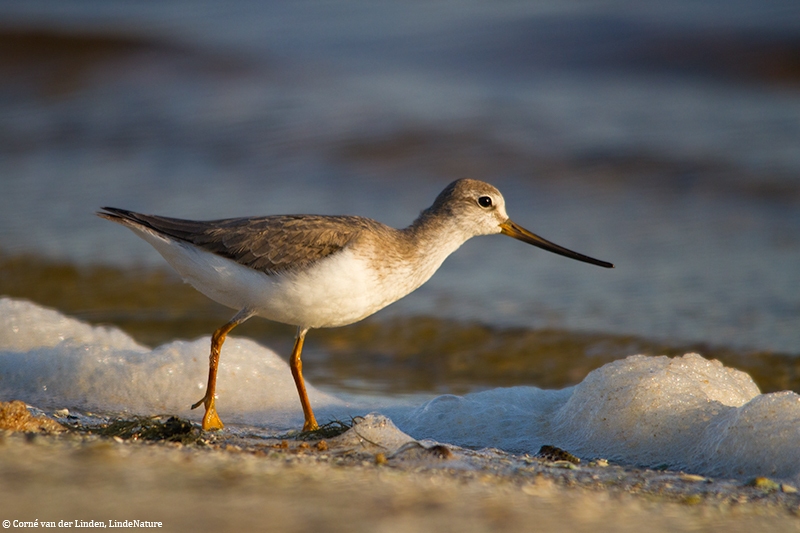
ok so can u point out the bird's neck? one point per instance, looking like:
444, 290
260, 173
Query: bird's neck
415, 254
433, 236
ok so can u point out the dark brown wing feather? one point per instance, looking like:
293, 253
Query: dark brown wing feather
271, 244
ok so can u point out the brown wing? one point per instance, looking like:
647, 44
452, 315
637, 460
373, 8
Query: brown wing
271, 244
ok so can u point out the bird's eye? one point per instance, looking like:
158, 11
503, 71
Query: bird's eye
485, 201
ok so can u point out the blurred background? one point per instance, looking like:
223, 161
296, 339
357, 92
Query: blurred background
663, 137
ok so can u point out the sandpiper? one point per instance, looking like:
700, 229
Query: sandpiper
315, 271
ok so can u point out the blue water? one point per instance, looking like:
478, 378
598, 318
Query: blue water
645, 134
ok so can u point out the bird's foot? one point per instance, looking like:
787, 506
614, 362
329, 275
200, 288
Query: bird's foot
310, 424
210, 419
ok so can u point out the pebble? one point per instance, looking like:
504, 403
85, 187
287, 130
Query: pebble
763, 483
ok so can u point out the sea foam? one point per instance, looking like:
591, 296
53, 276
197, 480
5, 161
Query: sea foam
684, 413
52, 361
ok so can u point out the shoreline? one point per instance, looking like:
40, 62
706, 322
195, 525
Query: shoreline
370, 478
465, 355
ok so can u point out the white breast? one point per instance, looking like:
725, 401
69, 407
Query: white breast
336, 291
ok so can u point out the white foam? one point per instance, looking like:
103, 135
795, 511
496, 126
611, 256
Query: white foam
684, 413
25, 326
49, 360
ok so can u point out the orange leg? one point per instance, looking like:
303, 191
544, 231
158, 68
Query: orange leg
210, 419
297, 372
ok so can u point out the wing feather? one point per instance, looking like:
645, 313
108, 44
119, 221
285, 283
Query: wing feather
271, 244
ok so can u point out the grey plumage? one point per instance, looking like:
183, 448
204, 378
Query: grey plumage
271, 244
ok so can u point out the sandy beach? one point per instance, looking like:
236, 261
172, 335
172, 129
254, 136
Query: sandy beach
238, 480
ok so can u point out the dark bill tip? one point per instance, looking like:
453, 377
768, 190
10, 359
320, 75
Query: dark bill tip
520, 233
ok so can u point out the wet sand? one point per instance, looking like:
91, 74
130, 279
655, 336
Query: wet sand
371, 478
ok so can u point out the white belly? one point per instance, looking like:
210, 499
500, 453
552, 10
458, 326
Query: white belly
336, 291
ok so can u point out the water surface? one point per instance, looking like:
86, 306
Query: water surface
661, 138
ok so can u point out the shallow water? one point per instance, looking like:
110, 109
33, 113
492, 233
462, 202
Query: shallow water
660, 138
381, 356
